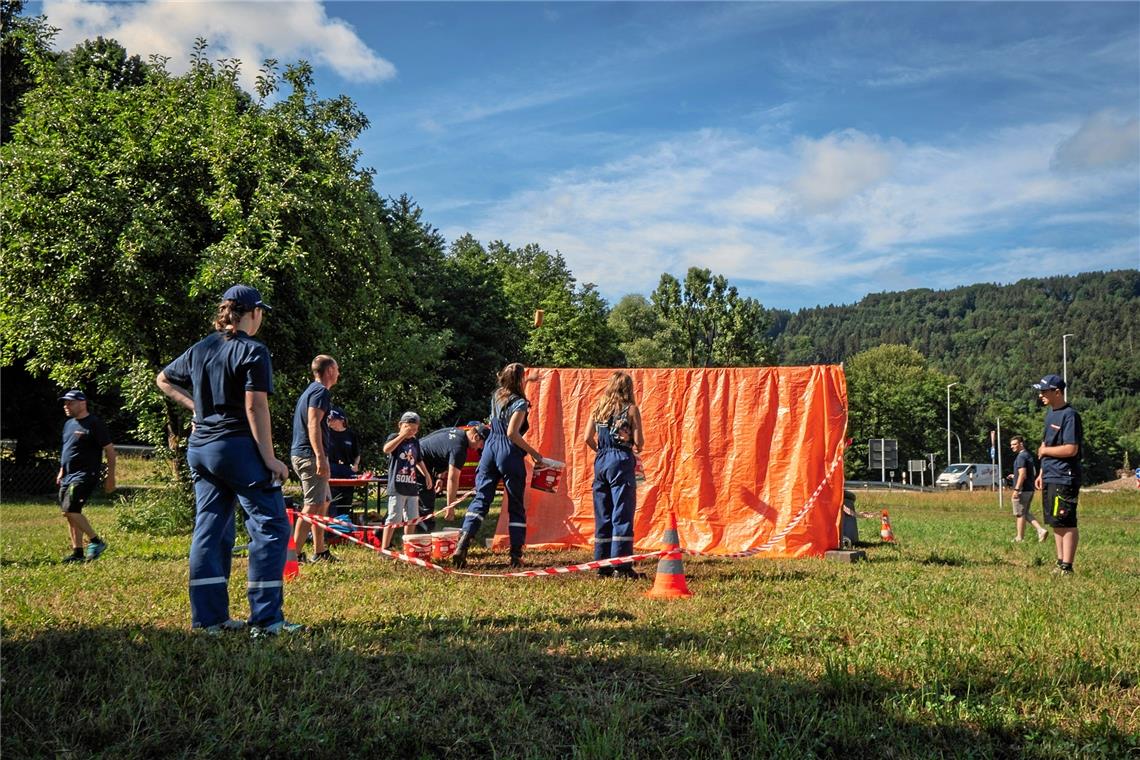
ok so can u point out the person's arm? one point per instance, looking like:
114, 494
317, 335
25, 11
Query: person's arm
423, 468
317, 440
109, 482
59, 477
356, 460
638, 433
175, 393
453, 474
591, 436
393, 443
257, 412
513, 427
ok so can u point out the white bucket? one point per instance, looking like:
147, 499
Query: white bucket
418, 546
443, 543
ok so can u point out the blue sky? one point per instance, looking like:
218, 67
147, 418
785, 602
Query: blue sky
812, 153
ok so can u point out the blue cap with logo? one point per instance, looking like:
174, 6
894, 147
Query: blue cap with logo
480, 429
1050, 383
337, 414
73, 395
246, 296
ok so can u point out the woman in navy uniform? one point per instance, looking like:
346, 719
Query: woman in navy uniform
614, 432
504, 458
225, 379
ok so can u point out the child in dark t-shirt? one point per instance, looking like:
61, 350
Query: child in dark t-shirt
404, 459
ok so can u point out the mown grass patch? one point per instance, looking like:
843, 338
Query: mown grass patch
951, 642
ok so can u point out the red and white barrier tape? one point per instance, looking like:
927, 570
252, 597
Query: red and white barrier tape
779, 535
546, 571
406, 523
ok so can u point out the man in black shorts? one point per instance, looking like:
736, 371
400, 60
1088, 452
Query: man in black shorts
1059, 478
445, 452
85, 442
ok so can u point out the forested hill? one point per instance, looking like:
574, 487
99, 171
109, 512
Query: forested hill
995, 338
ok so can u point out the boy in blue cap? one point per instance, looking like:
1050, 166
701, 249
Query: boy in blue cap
1059, 478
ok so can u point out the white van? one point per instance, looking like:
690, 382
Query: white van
959, 476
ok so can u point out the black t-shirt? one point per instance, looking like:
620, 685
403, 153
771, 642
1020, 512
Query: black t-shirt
1029, 462
344, 448
402, 467
444, 448
218, 372
82, 454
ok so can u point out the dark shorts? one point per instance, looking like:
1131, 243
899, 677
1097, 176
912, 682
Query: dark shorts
427, 506
74, 495
1060, 505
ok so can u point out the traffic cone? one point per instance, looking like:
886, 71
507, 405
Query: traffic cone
292, 569
885, 532
669, 582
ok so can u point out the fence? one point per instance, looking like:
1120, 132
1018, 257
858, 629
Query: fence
136, 464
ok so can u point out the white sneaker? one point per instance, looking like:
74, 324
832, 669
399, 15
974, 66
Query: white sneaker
1041, 535
1016, 540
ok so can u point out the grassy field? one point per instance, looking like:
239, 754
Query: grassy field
952, 642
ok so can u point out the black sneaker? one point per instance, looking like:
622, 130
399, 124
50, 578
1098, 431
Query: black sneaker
629, 575
325, 556
302, 559
76, 556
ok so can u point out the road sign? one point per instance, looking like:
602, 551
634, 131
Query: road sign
884, 453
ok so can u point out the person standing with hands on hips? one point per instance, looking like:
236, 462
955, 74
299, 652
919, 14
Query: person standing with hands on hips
614, 432
86, 441
1059, 478
309, 454
503, 459
225, 380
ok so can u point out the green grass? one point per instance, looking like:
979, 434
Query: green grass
952, 642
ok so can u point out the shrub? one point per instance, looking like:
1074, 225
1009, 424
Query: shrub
166, 511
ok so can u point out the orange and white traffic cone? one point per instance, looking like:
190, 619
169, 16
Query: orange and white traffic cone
885, 531
669, 582
292, 569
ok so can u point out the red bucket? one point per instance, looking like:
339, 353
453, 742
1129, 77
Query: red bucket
418, 546
547, 477
443, 543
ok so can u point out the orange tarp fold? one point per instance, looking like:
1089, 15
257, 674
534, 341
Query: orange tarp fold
737, 453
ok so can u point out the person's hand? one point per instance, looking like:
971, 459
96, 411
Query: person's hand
438, 485
538, 460
430, 483
278, 470
59, 477
322, 467
1040, 449
109, 483
449, 513
1037, 483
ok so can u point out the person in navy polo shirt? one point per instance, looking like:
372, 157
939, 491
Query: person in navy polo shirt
1059, 479
445, 453
1024, 478
85, 442
310, 453
225, 380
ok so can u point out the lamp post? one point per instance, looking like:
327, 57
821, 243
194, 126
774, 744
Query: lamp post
959, 442
1065, 361
948, 387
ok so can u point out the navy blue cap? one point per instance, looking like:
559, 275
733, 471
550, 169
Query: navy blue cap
73, 395
481, 429
1050, 383
246, 296
337, 414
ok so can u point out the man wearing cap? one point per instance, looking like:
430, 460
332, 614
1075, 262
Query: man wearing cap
85, 442
405, 459
1059, 478
445, 454
309, 453
344, 457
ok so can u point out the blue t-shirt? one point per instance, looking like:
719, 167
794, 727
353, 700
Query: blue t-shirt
218, 371
1062, 426
503, 414
316, 396
444, 448
402, 467
1029, 462
82, 454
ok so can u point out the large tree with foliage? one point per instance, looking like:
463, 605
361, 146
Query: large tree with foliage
128, 208
707, 323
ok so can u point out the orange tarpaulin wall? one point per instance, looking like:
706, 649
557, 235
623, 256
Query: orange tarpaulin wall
742, 456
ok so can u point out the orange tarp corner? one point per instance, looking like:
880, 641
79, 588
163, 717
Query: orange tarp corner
742, 455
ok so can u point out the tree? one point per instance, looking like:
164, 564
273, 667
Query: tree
893, 393
126, 212
21, 38
708, 324
638, 326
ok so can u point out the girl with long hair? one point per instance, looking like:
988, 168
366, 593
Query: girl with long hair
614, 431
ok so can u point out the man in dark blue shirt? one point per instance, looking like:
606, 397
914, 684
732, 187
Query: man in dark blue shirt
445, 453
85, 442
309, 453
1024, 478
1060, 475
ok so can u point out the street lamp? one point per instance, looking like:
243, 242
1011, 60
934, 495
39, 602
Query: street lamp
1065, 361
959, 442
948, 387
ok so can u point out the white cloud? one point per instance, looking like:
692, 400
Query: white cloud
249, 31
1104, 139
838, 167
754, 211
